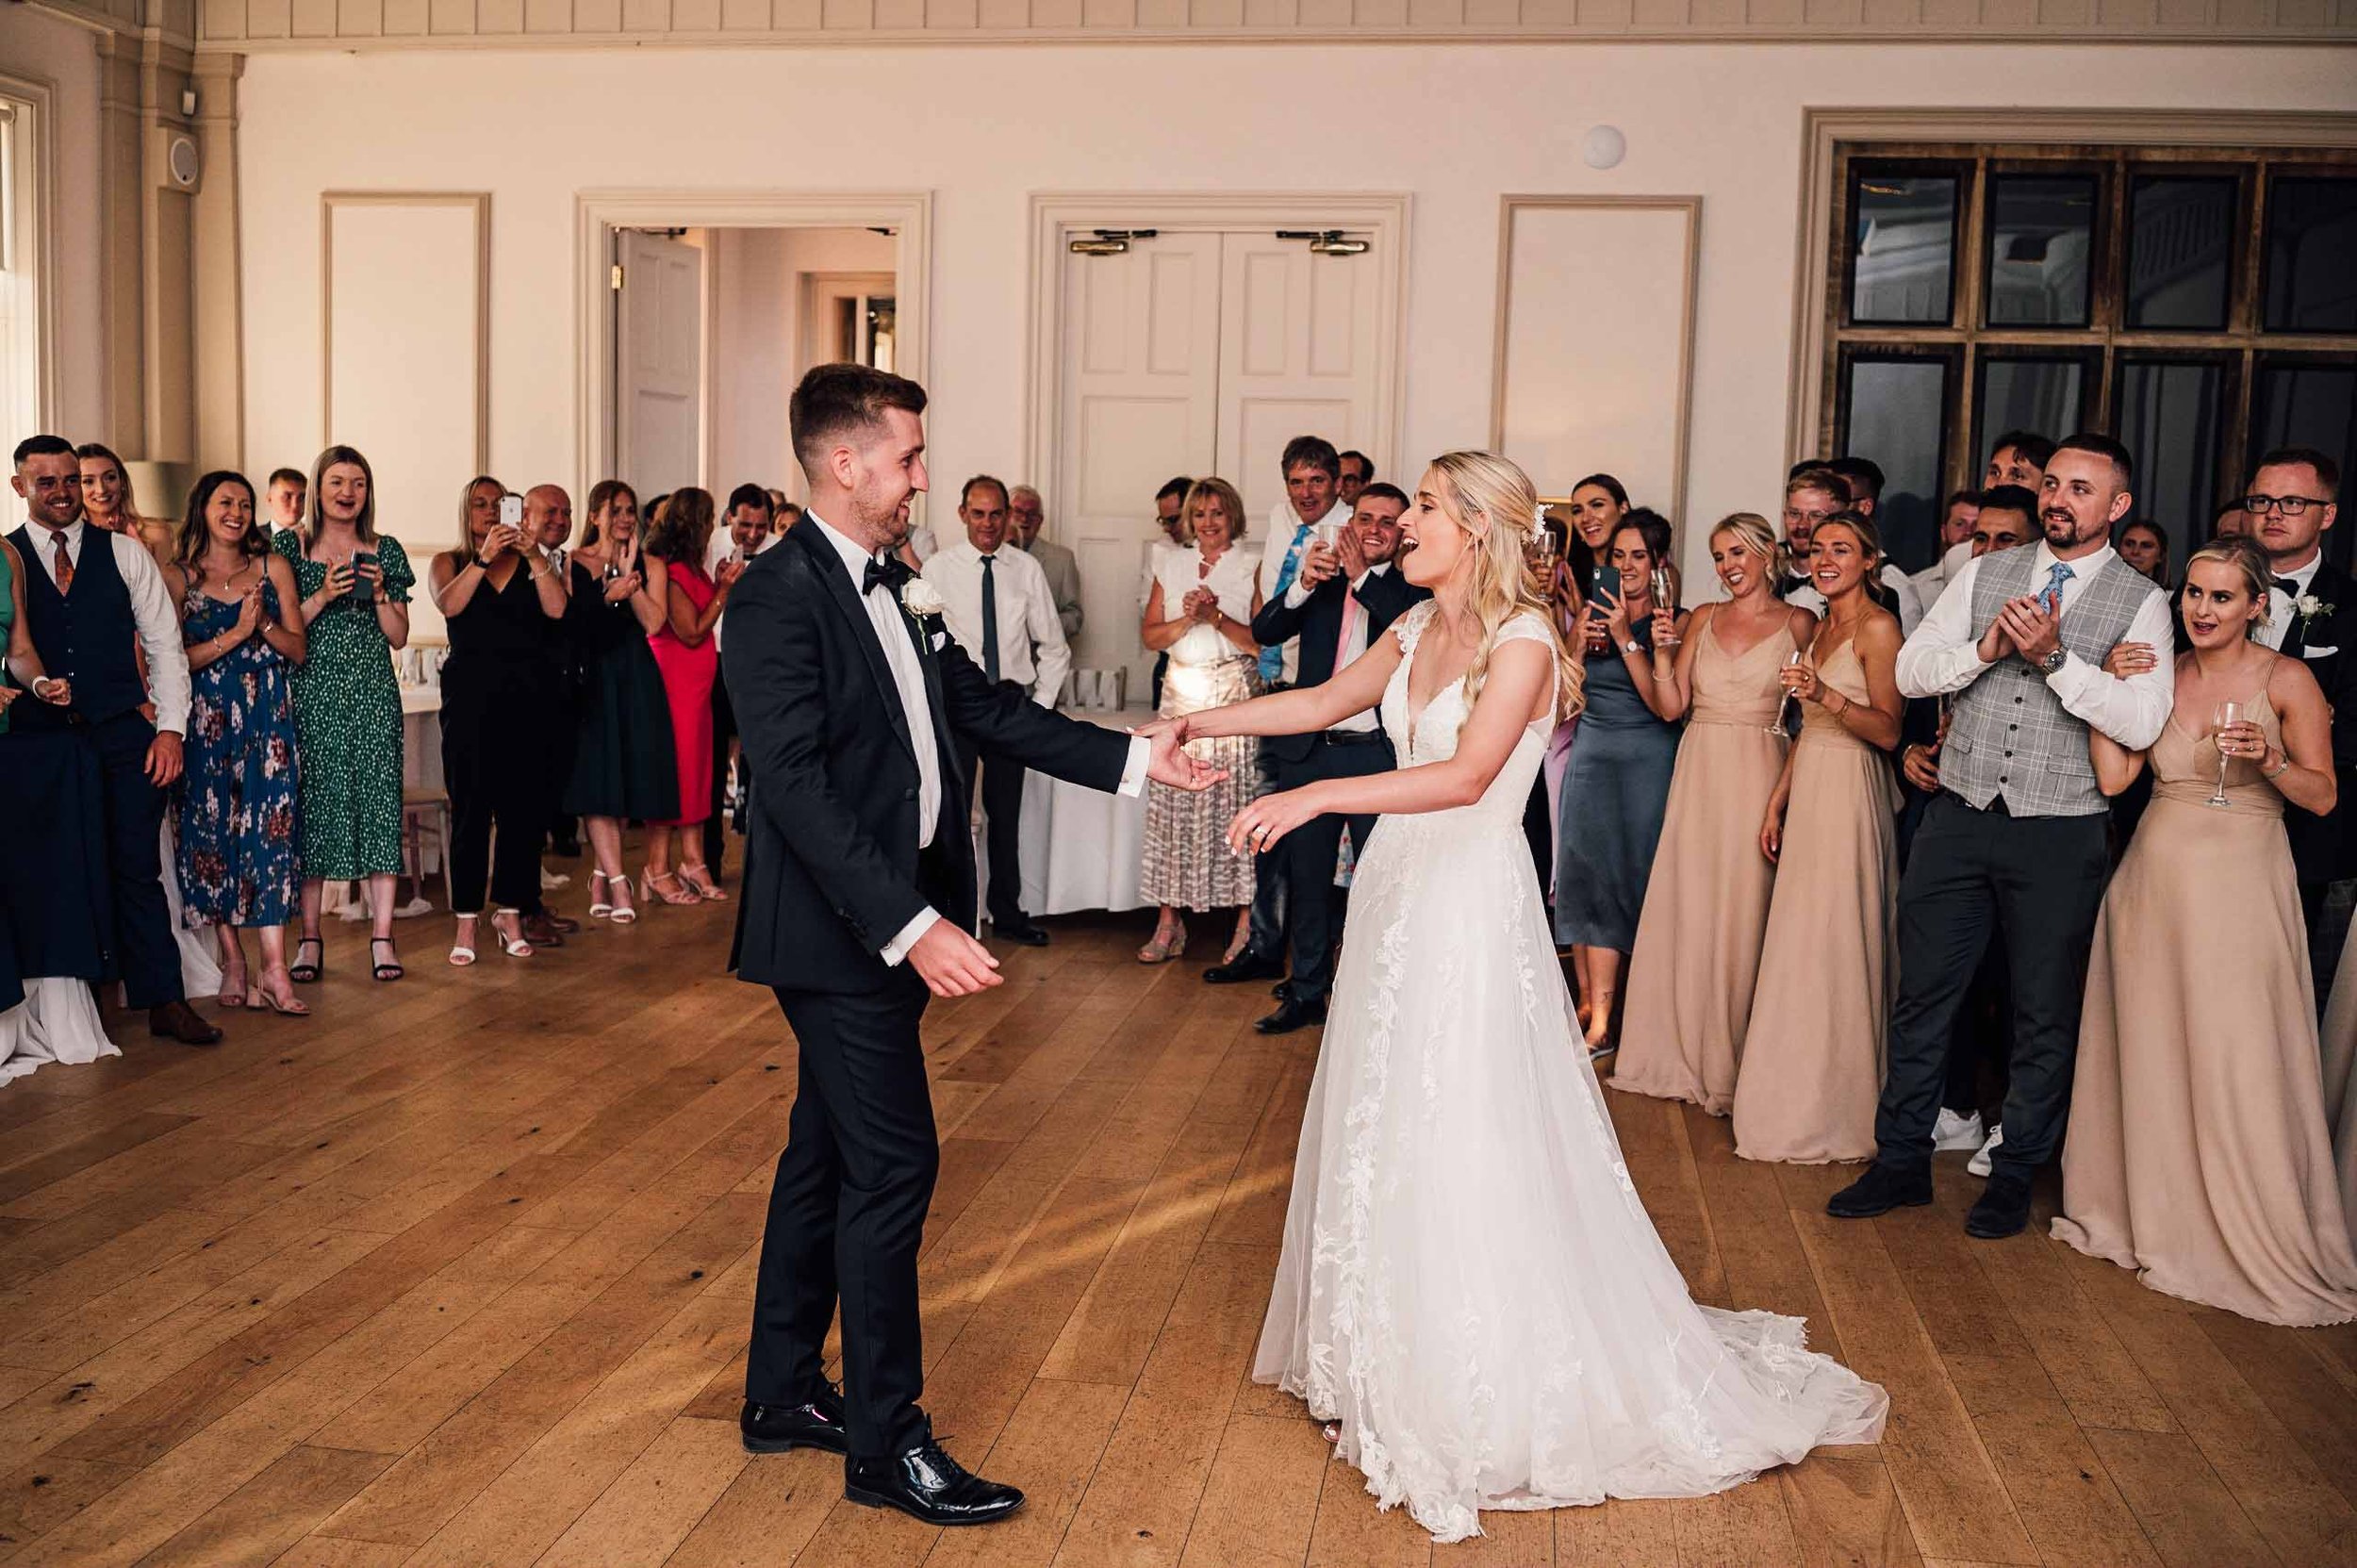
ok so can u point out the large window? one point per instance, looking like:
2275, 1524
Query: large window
20, 294
2201, 305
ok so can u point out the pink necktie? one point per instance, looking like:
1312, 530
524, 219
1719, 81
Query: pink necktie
1350, 624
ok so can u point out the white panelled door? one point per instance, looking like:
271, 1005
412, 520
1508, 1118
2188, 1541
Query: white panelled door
658, 370
1197, 353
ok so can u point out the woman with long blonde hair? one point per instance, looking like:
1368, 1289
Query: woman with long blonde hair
1470, 1291
110, 504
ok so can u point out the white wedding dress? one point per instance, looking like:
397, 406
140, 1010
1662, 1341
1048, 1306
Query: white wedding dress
1470, 1285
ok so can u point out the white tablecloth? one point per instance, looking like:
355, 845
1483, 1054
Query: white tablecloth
1081, 847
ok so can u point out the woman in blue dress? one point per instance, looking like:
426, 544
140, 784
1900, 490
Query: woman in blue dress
239, 801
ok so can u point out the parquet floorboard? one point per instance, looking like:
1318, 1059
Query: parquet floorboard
457, 1272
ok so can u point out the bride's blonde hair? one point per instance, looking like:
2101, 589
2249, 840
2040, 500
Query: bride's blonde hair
1496, 505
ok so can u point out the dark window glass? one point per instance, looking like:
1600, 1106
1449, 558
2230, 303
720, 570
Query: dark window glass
2181, 251
2041, 234
2312, 255
1903, 248
1898, 417
2310, 404
2044, 395
2169, 414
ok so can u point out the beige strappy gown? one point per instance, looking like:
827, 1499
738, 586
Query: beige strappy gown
2197, 1149
1697, 955
1813, 1056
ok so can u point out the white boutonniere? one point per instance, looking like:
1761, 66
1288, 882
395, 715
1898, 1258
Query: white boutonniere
2309, 608
921, 599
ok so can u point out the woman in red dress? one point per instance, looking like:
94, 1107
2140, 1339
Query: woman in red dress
685, 652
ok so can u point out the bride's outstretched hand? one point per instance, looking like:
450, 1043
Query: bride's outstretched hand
1268, 820
1169, 763
1153, 728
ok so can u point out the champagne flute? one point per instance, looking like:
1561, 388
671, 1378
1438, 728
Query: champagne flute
1795, 660
2227, 714
1665, 603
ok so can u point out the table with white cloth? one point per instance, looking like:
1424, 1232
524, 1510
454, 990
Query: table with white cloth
1081, 847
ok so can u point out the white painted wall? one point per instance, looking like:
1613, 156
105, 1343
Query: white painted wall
1456, 126
43, 47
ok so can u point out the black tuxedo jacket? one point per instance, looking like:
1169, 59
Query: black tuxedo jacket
2328, 646
833, 871
1383, 599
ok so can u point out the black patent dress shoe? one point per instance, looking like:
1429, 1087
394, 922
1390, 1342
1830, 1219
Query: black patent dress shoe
1879, 1191
2004, 1208
1021, 932
1294, 1013
1249, 966
925, 1483
817, 1422
177, 1020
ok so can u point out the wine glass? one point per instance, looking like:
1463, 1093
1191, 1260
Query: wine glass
2226, 715
1795, 660
1665, 603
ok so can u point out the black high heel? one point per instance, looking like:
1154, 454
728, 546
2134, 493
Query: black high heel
307, 973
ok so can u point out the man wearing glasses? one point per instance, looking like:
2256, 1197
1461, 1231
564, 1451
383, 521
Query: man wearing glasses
2313, 617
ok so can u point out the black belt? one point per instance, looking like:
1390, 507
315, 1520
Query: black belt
1995, 807
1350, 738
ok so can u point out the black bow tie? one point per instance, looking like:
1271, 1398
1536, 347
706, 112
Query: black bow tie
2288, 585
891, 572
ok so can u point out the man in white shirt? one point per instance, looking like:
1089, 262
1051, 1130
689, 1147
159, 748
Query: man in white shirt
1026, 515
1810, 497
1956, 547
1170, 503
91, 598
747, 529
1002, 612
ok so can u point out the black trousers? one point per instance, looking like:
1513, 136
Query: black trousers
1002, 786
1315, 905
1266, 928
847, 1214
2039, 880
146, 954
495, 766
723, 730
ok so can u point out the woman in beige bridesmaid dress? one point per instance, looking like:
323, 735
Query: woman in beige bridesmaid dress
1813, 1055
1706, 911
2197, 1151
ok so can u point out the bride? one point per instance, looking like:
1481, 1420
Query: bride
1470, 1291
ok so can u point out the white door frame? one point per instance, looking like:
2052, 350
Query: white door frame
1059, 217
598, 213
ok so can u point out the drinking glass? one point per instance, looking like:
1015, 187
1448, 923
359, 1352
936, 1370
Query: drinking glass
2226, 714
1665, 603
1793, 660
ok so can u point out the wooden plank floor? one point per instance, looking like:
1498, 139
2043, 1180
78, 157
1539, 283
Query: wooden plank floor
457, 1272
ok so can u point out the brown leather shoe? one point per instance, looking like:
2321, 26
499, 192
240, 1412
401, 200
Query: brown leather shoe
540, 932
177, 1020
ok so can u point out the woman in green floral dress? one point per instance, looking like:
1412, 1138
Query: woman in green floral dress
355, 584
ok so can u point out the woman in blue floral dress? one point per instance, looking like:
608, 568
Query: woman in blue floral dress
239, 794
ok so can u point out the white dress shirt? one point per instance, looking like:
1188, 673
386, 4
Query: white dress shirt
907, 679
1943, 655
1031, 650
1803, 595
1282, 524
2280, 605
1297, 596
151, 606
1932, 579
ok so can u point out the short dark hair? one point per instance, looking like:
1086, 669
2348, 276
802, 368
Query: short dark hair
1609, 486
1960, 498
2010, 498
287, 476
1364, 461
1314, 452
2029, 443
2149, 526
1866, 471
966, 490
1651, 526
1380, 491
1179, 487
2101, 446
2327, 472
42, 446
750, 495
2233, 504
836, 400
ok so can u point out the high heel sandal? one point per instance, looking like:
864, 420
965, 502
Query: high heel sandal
698, 880
600, 900
1237, 944
307, 973
621, 914
383, 970
462, 953
260, 999
651, 886
234, 996
1163, 950
510, 937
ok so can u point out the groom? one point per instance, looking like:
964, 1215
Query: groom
858, 900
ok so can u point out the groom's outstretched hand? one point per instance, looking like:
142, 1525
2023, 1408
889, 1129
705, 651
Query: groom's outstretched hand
1169, 761
951, 963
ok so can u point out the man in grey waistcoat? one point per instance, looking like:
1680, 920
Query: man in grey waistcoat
2016, 838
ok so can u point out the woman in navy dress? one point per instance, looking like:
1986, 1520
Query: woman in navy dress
238, 811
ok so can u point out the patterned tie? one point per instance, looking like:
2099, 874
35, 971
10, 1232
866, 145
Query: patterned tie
64, 572
1273, 658
990, 620
2054, 580
1350, 624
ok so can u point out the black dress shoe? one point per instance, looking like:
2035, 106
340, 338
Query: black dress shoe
926, 1483
1292, 1015
177, 1020
1282, 990
813, 1422
1021, 932
1879, 1191
1249, 966
2004, 1208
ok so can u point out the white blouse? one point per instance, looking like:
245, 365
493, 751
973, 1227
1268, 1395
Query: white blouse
1232, 579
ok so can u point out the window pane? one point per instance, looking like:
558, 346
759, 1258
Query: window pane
2169, 415
1897, 410
2040, 230
2310, 406
2312, 256
1902, 258
2180, 247
2044, 395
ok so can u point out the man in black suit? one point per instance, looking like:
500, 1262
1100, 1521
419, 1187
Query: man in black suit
858, 900
2291, 501
1343, 600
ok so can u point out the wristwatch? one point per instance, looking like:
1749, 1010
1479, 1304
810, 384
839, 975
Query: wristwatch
1632, 646
2053, 661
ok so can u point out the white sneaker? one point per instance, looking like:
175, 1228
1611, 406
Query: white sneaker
552, 881
414, 908
1980, 1164
1953, 1132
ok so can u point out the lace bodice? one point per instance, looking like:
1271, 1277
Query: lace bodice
1429, 735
